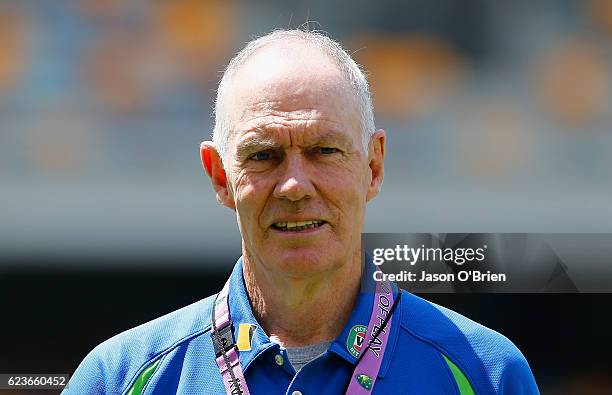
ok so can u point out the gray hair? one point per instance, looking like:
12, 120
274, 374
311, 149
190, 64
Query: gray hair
346, 65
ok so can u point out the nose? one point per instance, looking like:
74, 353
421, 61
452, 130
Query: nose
295, 183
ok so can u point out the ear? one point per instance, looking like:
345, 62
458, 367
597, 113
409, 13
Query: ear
376, 158
211, 161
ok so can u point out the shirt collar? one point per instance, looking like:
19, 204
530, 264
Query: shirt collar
241, 313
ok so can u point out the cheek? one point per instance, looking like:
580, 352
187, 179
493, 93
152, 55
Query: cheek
251, 194
348, 185
348, 193
347, 196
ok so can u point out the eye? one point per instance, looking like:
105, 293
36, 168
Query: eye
327, 150
261, 155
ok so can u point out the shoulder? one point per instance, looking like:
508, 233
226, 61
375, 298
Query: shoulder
491, 362
113, 365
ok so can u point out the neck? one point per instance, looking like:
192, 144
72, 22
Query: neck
301, 310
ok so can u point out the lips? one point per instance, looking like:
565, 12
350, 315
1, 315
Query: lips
293, 226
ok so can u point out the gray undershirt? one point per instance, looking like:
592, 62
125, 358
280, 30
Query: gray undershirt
300, 356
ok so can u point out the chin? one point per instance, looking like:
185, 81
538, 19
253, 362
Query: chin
303, 261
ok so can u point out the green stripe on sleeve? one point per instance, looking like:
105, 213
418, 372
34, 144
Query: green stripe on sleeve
465, 388
143, 378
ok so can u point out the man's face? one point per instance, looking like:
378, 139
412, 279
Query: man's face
297, 173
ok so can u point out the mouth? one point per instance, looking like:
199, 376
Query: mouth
297, 226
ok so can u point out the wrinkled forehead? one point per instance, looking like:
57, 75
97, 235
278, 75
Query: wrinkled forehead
288, 80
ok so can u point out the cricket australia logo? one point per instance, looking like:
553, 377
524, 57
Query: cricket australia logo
355, 340
364, 380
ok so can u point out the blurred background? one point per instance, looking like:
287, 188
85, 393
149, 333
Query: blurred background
498, 116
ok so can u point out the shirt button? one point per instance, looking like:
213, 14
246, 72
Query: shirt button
296, 393
280, 361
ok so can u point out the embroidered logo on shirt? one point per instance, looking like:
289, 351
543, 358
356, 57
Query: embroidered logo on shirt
356, 336
364, 380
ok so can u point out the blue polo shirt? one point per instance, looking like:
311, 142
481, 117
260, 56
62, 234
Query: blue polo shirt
431, 350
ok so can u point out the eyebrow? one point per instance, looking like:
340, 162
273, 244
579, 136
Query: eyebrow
333, 137
256, 144
253, 145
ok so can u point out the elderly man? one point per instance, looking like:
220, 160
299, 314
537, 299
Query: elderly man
296, 156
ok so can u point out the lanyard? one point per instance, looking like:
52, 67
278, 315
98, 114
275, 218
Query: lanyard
367, 366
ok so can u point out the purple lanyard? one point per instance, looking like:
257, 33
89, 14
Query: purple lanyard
368, 364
